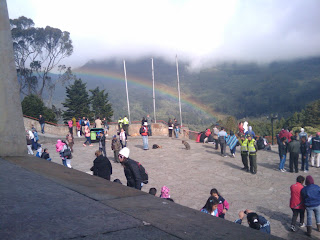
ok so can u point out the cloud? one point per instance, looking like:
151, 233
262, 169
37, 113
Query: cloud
202, 32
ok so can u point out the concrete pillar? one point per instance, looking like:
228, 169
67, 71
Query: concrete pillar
12, 133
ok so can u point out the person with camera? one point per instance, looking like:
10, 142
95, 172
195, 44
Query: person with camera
255, 221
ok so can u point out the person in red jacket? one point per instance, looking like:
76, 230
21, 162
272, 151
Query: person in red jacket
296, 203
144, 134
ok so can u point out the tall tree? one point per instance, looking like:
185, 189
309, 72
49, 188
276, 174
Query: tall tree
33, 106
100, 104
37, 52
77, 101
312, 114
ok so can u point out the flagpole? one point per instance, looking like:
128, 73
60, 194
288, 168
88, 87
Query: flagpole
125, 78
154, 96
179, 89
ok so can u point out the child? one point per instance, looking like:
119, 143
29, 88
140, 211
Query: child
211, 206
223, 205
45, 155
153, 191
123, 139
115, 146
39, 151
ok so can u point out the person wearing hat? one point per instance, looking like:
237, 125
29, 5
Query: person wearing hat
302, 134
252, 150
244, 152
311, 199
131, 169
144, 134
115, 147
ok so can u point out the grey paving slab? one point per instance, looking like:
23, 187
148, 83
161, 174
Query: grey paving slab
33, 207
139, 233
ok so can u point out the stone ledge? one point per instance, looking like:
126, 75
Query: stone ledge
171, 218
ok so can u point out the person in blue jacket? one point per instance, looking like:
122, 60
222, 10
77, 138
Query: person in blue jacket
311, 199
255, 221
250, 132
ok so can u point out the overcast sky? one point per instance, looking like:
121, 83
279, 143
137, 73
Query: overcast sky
202, 32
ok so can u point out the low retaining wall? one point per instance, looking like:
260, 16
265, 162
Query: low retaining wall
158, 129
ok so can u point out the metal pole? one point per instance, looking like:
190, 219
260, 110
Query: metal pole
179, 89
154, 96
125, 78
272, 128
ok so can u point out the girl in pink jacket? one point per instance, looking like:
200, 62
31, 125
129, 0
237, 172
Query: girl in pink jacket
223, 205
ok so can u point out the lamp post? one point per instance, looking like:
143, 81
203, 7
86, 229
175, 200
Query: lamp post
272, 118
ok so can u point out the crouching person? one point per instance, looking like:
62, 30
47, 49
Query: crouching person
101, 166
255, 221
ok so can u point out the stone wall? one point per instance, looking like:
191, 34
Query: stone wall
158, 129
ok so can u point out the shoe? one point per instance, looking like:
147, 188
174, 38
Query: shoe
225, 156
305, 171
318, 227
244, 169
282, 170
302, 225
90, 145
293, 228
84, 145
309, 230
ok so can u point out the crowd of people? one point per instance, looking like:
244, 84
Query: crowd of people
303, 198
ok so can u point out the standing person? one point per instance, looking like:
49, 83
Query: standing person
123, 139
87, 135
106, 126
240, 128
78, 128
315, 147
215, 136
222, 136
60, 147
283, 149
149, 121
98, 123
223, 205
170, 127
42, 122
102, 144
120, 122
302, 134
250, 132
115, 147
70, 124
101, 166
311, 199
211, 206
126, 125
232, 141
244, 152
305, 152
29, 144
245, 126
35, 139
176, 128
296, 203
74, 124
83, 125
131, 169
252, 149
144, 134
294, 150
70, 141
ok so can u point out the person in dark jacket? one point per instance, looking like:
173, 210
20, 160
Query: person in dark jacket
45, 155
41, 121
102, 144
311, 199
101, 166
255, 221
294, 150
131, 169
282, 153
305, 152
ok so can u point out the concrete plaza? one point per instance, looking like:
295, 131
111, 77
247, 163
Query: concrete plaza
191, 174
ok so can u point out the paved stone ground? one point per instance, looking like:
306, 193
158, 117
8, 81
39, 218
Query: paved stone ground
191, 174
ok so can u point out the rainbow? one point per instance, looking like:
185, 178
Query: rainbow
147, 84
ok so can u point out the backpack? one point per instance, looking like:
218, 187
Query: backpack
143, 173
141, 130
67, 153
82, 123
222, 139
